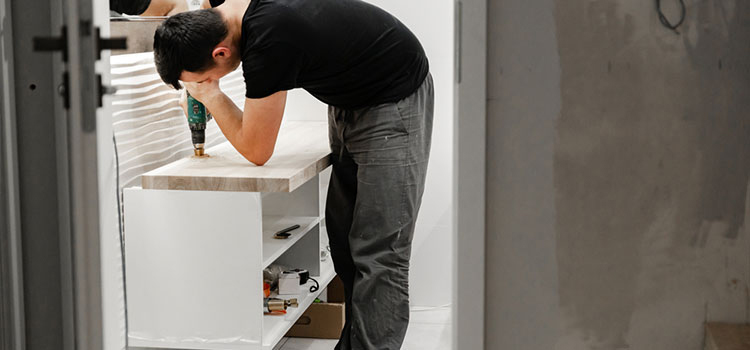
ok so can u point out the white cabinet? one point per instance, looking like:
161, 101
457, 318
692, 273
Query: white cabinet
199, 234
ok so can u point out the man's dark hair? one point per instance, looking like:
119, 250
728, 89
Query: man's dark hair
185, 42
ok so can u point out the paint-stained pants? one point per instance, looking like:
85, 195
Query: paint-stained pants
379, 161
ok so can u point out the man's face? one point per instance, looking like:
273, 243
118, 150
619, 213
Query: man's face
214, 73
221, 68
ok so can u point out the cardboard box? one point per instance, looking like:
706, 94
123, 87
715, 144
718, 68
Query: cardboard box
336, 291
321, 320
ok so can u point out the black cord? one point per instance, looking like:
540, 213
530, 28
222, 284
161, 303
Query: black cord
314, 288
122, 234
663, 19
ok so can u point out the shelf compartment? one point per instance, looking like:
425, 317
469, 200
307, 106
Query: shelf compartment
273, 248
275, 327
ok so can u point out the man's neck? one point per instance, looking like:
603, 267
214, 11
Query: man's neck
233, 11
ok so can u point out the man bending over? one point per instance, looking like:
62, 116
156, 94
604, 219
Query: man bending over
373, 73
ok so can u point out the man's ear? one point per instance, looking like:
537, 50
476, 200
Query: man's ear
221, 52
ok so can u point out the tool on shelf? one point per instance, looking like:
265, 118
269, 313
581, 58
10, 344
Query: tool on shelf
197, 119
284, 234
272, 306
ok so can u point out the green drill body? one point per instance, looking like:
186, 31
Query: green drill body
197, 118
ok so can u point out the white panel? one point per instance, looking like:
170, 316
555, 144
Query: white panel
303, 201
274, 247
194, 271
305, 254
113, 287
302, 106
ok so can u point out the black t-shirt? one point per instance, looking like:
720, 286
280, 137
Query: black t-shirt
347, 53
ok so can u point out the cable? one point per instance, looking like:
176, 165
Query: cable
314, 288
663, 19
122, 234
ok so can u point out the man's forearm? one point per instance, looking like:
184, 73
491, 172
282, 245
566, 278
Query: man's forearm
251, 131
229, 119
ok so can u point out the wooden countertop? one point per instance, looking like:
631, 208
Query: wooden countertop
301, 152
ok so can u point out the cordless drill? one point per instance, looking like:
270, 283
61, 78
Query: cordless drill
197, 118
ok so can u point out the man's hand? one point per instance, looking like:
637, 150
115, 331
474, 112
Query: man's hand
183, 104
204, 91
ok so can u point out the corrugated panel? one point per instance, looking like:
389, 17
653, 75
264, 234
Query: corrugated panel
150, 127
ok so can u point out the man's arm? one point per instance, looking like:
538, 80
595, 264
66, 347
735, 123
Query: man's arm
252, 132
165, 7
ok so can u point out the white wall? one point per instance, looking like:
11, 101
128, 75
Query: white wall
431, 264
431, 280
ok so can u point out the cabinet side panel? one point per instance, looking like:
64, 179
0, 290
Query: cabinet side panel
193, 268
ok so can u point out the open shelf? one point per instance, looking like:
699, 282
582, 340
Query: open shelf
172, 253
275, 327
272, 247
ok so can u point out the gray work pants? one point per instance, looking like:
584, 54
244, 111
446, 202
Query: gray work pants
379, 161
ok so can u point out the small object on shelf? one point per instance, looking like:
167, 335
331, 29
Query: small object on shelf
266, 290
289, 283
271, 274
304, 275
284, 234
273, 306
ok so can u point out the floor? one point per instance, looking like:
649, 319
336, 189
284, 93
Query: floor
428, 329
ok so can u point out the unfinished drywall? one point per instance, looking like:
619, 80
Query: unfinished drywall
618, 167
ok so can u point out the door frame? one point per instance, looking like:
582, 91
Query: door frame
83, 173
469, 174
12, 329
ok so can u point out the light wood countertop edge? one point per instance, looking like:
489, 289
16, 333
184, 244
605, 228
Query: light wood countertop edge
236, 184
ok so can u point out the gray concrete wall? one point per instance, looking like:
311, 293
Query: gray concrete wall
618, 164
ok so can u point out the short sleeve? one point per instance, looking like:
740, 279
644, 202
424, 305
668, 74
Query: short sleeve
271, 69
